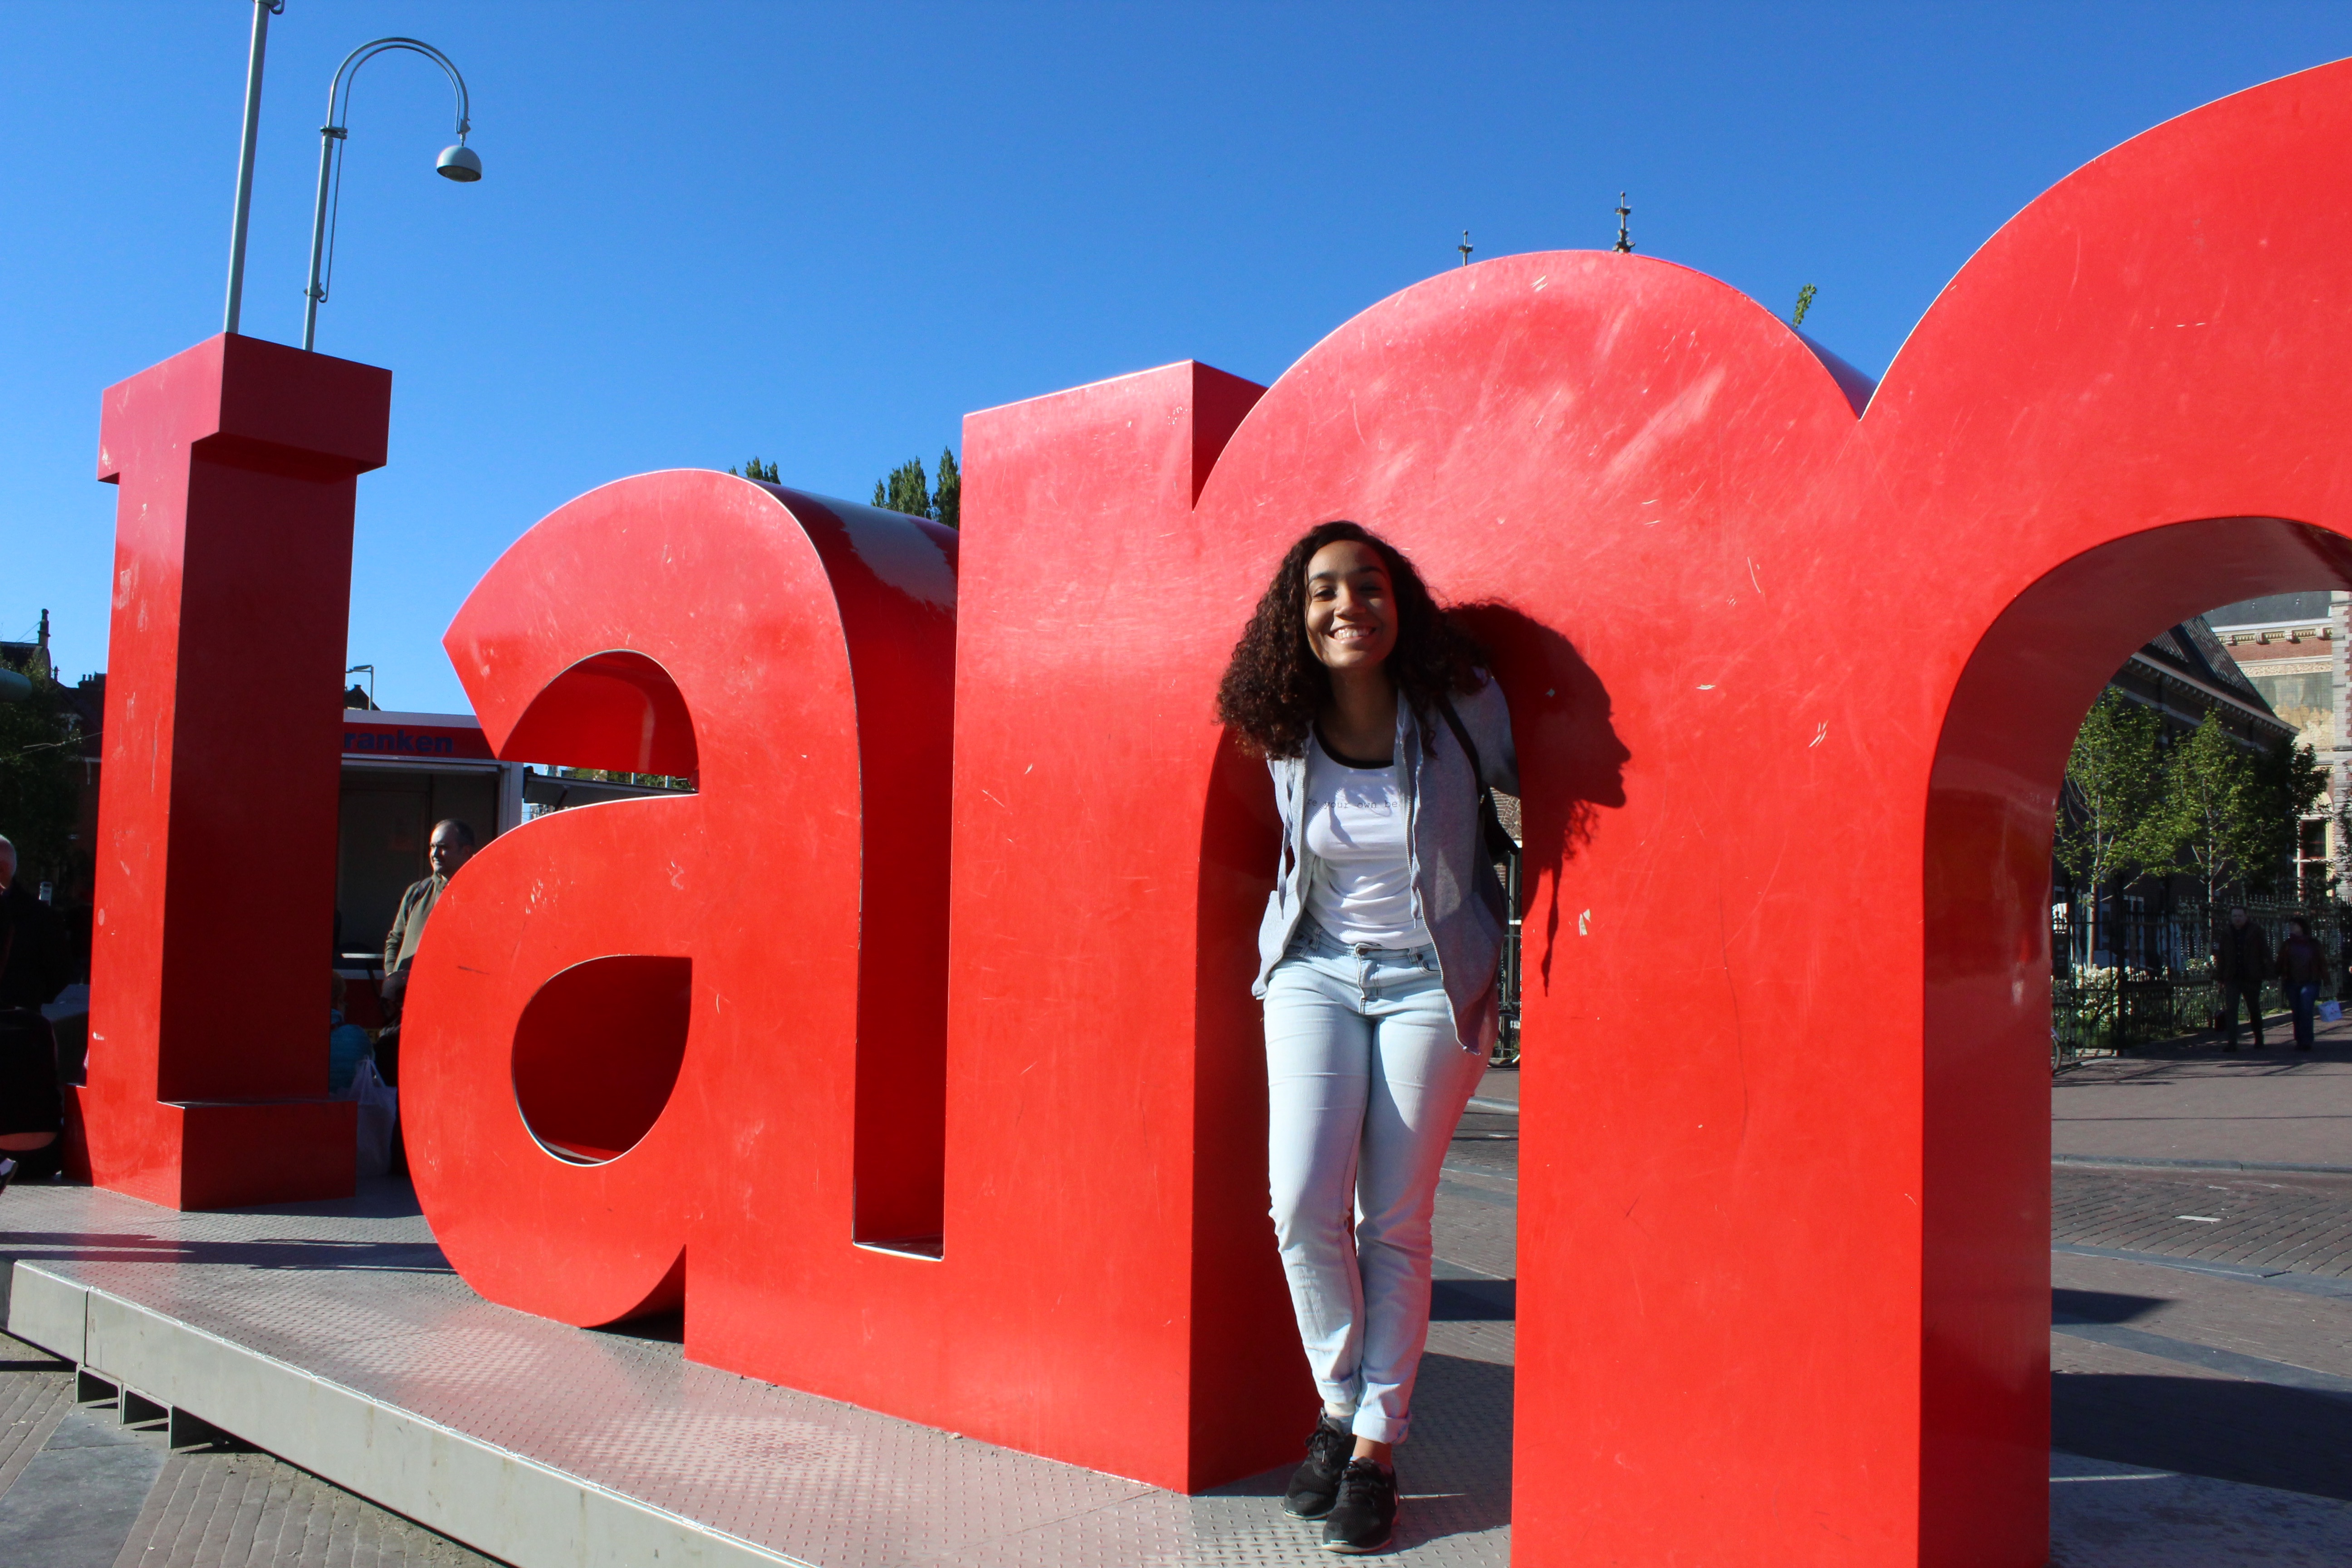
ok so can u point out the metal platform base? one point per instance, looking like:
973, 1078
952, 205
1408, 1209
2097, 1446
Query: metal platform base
335, 1337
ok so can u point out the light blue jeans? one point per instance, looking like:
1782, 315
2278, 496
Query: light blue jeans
1366, 1081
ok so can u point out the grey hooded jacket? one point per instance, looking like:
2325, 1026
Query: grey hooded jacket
1460, 899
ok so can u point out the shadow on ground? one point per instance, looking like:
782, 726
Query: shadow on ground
2258, 1433
1456, 1472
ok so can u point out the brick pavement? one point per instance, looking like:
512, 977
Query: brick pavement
2181, 1370
2187, 1099
217, 1508
209, 1506
2257, 1220
35, 1391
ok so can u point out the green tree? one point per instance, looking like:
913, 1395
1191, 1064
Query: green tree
2210, 799
40, 774
2283, 786
947, 506
2113, 828
906, 490
756, 470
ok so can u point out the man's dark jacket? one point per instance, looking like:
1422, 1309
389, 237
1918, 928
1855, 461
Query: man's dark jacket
34, 942
2243, 957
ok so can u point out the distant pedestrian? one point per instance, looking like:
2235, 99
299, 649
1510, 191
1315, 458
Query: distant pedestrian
451, 845
2300, 964
33, 970
2242, 966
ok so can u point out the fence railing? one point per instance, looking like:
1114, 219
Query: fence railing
1507, 1037
2126, 976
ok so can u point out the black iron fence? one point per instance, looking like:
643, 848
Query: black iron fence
2136, 970
1507, 1039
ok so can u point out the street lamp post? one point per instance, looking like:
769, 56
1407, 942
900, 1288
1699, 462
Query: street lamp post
262, 11
458, 163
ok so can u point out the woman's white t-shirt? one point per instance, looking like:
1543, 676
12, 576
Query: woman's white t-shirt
1362, 890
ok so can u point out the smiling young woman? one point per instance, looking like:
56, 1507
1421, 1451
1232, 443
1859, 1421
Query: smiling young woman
1377, 964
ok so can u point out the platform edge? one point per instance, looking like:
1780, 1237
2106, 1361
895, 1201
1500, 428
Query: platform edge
48, 1311
519, 1510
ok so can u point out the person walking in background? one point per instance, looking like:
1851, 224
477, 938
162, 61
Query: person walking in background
33, 969
2241, 963
451, 845
2300, 964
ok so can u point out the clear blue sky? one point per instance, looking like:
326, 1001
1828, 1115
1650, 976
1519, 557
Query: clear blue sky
821, 234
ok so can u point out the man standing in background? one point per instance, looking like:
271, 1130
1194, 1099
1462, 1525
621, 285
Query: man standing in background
2241, 963
452, 846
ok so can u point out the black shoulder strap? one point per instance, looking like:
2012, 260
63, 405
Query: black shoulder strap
1496, 837
1462, 738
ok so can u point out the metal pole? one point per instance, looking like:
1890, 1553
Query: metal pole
333, 132
262, 11
328, 134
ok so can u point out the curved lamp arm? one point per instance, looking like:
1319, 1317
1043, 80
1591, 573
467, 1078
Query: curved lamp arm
331, 137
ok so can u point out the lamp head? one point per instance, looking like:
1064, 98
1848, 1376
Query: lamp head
460, 164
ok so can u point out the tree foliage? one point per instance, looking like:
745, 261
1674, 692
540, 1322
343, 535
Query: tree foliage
2285, 782
908, 489
40, 774
2208, 796
2234, 817
947, 502
2114, 784
2204, 807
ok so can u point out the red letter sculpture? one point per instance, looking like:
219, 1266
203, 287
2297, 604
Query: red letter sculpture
238, 461
1793, 686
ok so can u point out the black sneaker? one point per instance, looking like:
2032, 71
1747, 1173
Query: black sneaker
1316, 1486
1364, 1518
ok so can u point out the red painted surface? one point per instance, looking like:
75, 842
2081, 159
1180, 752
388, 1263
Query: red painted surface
215, 882
1784, 1280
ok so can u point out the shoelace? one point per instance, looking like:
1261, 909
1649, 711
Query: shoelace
1368, 1477
1327, 1448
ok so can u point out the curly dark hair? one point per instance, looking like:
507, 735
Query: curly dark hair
1275, 684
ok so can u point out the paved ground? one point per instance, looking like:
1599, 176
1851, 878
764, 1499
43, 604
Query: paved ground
2235, 1379
2189, 1101
79, 1490
2200, 1321
2266, 1221
2202, 1371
